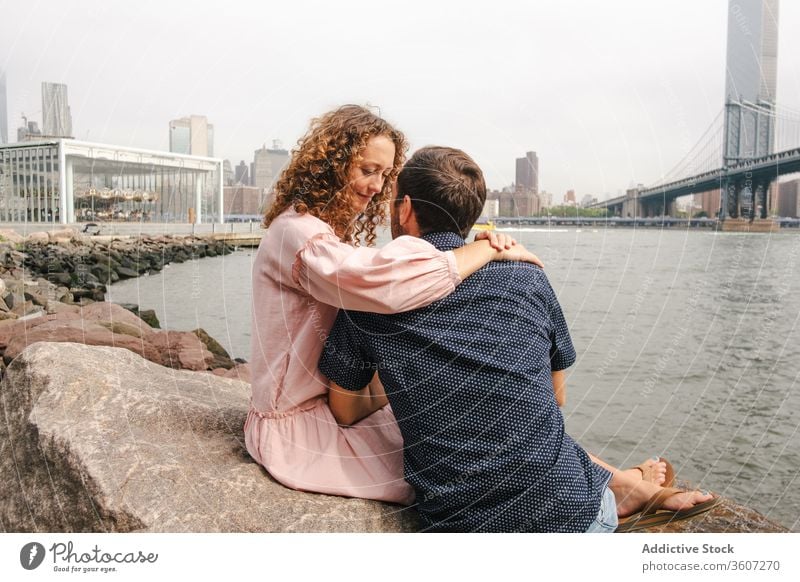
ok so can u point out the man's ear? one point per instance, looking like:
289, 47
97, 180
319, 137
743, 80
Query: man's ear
406, 210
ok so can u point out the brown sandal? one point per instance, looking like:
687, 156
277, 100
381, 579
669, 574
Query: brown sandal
652, 514
669, 480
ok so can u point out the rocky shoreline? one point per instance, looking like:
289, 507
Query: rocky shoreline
123, 434
53, 285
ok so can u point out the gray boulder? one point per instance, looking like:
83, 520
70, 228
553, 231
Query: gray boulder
127, 273
37, 237
11, 235
98, 439
64, 234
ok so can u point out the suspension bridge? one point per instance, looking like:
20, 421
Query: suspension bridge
751, 142
744, 150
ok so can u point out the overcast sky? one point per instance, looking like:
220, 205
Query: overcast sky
607, 93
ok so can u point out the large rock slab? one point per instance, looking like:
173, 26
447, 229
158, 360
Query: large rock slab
87, 332
108, 324
98, 439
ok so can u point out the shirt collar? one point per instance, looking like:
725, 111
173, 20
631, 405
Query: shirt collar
444, 241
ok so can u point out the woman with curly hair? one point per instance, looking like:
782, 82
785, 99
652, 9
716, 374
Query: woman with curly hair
330, 198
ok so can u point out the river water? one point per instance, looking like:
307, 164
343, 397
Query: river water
688, 347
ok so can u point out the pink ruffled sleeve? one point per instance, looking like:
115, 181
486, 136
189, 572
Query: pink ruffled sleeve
408, 273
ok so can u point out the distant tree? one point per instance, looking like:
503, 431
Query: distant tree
574, 212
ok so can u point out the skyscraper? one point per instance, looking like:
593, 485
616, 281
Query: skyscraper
242, 175
192, 135
227, 173
56, 115
3, 109
268, 165
528, 173
750, 78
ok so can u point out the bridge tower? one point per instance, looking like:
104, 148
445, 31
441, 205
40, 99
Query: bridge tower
750, 92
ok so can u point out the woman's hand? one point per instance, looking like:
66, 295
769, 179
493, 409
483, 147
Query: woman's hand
497, 240
508, 248
518, 253
489, 246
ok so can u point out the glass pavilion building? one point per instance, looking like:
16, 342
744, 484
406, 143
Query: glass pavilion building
67, 181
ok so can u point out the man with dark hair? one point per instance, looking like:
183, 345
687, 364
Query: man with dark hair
449, 191
472, 380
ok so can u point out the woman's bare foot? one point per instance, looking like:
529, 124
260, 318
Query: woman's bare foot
632, 493
653, 470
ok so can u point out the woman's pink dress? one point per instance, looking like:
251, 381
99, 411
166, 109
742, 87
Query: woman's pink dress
302, 275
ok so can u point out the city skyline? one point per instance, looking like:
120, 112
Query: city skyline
3, 108
610, 96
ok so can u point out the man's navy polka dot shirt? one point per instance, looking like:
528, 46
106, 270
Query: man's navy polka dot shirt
469, 380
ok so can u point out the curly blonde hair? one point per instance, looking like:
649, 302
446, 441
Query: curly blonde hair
316, 180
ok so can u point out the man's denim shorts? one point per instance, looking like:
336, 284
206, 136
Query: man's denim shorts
606, 520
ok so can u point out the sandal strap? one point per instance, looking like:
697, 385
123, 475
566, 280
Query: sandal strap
656, 502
